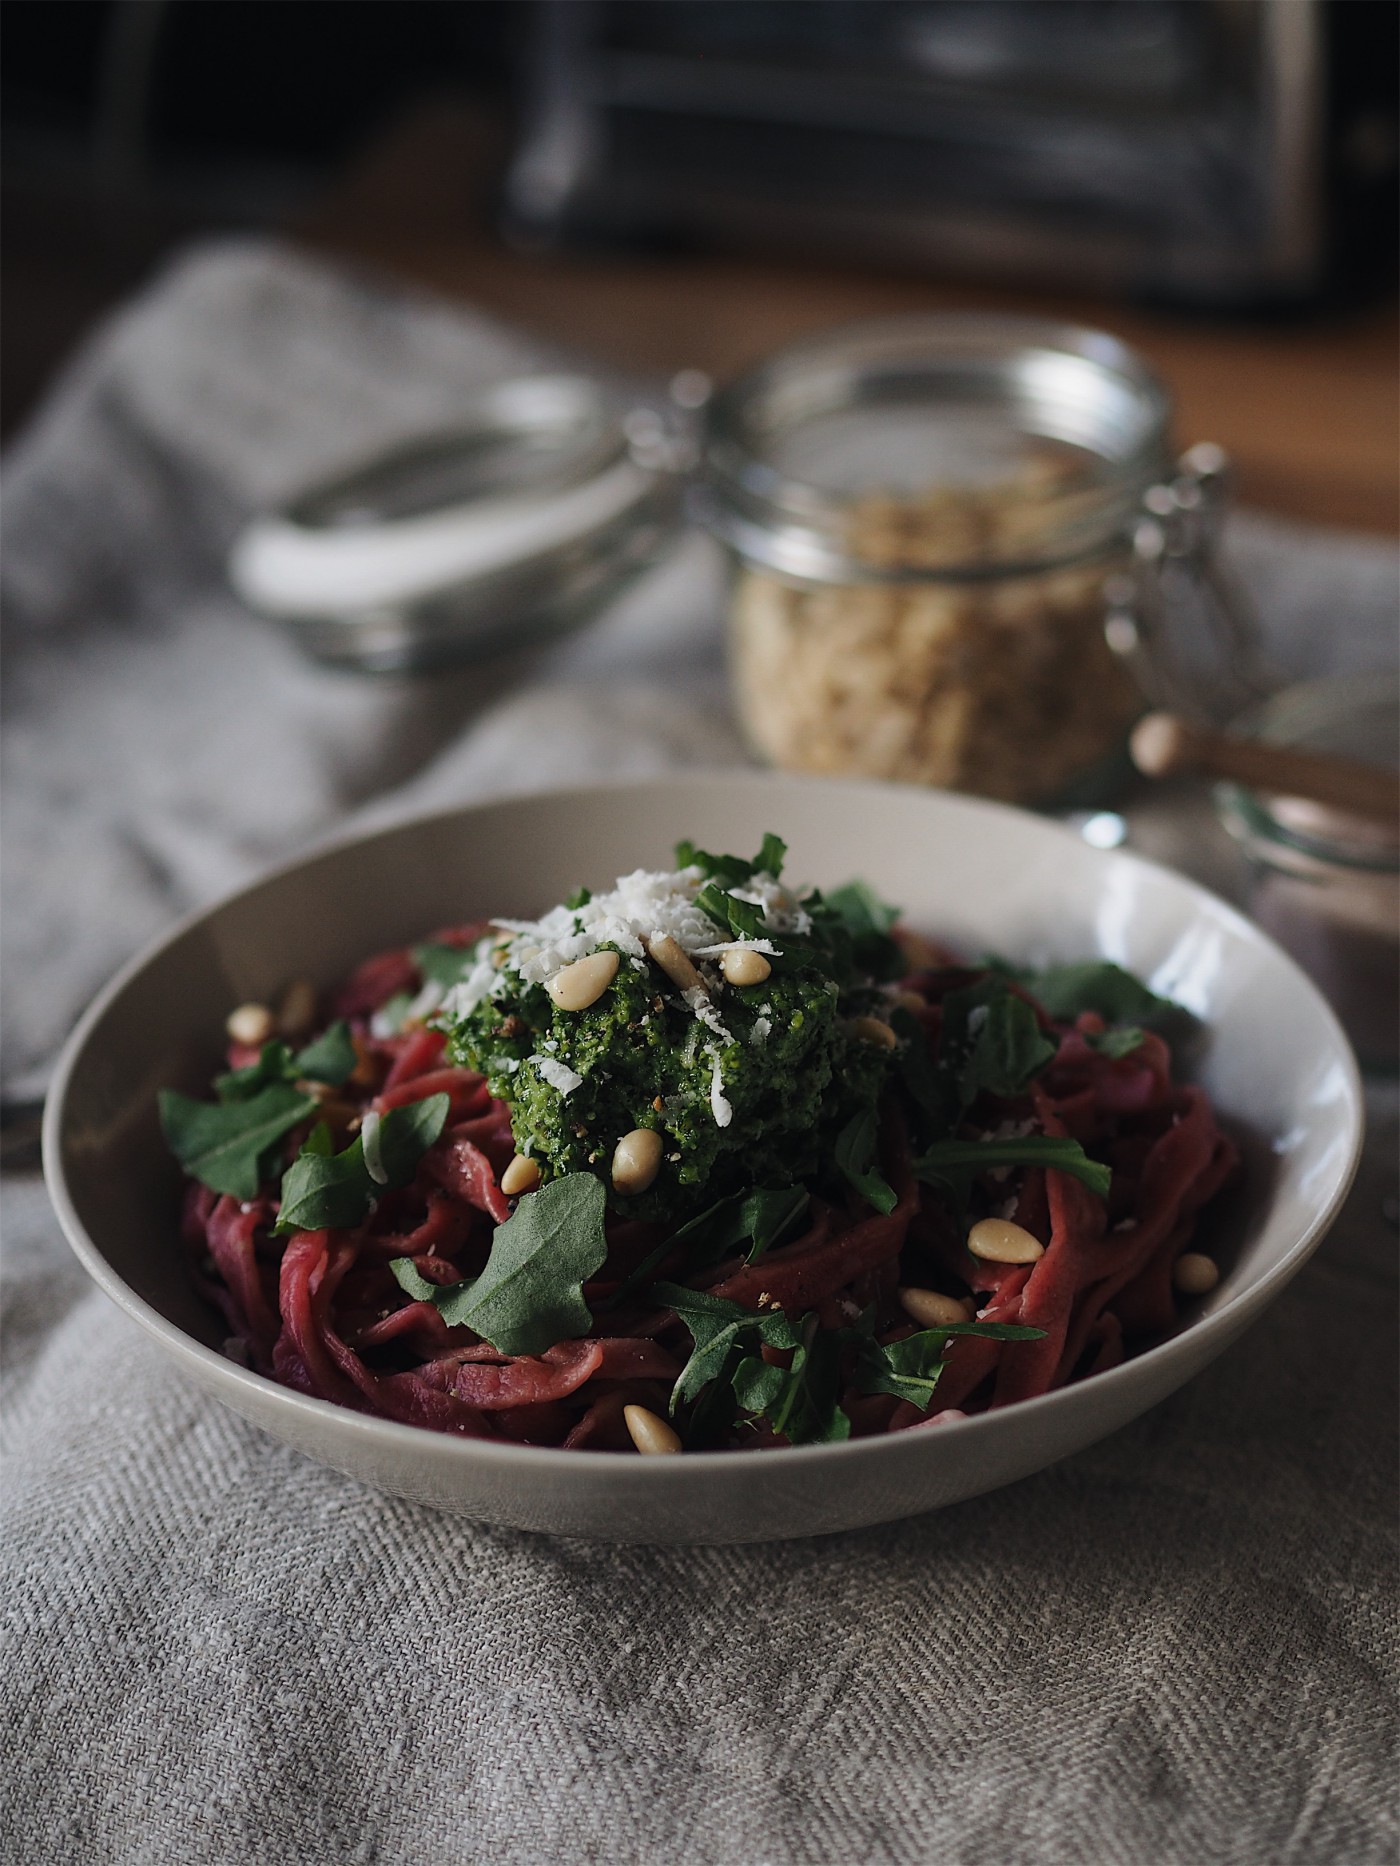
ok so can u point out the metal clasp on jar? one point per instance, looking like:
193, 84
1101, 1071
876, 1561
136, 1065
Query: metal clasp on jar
1179, 618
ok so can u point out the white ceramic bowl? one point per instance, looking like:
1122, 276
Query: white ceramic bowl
980, 876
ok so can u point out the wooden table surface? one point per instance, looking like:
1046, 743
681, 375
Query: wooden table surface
1308, 410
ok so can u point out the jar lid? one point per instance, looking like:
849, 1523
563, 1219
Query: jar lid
958, 446
512, 525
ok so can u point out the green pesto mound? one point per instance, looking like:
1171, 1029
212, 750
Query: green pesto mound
789, 1094
793, 1075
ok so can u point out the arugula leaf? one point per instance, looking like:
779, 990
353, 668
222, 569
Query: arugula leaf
1063, 991
329, 1058
758, 1215
757, 1385
954, 1164
862, 909
805, 1408
991, 1043
221, 1144
916, 1069
771, 856
799, 1401
713, 900
444, 965
745, 918
327, 1191
530, 1294
716, 1326
802, 1400
867, 920
769, 1216
323, 1190
274, 1064
853, 1153
730, 871
403, 1136
910, 1369
579, 898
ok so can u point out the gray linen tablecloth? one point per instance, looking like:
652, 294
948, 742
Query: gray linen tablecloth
1179, 1646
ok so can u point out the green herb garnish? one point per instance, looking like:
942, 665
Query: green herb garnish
727, 1374
854, 1154
1063, 991
910, 1369
228, 1146
530, 1294
950, 1166
329, 1058
867, 921
327, 1191
991, 1044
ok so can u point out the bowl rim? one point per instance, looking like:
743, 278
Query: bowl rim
219, 1372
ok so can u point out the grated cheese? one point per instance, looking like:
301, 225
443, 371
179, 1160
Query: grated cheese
643, 907
558, 1075
719, 1103
369, 1144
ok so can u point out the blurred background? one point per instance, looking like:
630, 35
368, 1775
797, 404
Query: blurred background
963, 549
700, 181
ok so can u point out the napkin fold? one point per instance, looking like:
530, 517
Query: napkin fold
1178, 1646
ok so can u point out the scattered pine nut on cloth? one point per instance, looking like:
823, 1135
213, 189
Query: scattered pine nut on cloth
1177, 1648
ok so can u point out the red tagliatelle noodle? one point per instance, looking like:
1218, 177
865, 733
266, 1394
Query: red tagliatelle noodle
321, 1312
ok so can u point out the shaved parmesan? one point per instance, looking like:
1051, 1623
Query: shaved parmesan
558, 1075
369, 1144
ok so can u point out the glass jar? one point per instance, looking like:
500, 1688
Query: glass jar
922, 517
1325, 884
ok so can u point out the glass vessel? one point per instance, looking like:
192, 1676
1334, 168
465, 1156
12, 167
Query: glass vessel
1324, 883
931, 521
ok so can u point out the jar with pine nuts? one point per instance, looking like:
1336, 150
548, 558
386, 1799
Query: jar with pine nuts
922, 517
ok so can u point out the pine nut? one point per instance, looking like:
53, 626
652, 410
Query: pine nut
583, 982
667, 953
636, 1161
932, 1310
1195, 1274
997, 1240
649, 1434
252, 1024
872, 1030
922, 954
522, 1175
296, 1012
744, 967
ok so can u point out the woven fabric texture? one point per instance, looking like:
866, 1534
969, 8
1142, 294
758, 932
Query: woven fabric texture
1177, 1647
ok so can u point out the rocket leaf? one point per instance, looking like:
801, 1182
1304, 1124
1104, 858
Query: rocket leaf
327, 1191
329, 1058
910, 1369
222, 1144
854, 1154
530, 1294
